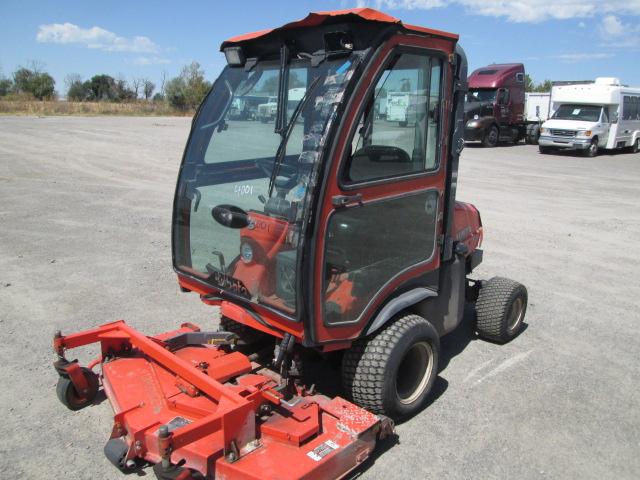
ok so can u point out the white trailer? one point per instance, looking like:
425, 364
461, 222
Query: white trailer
536, 111
589, 117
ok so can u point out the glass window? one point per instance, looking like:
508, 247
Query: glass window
398, 233
244, 190
398, 130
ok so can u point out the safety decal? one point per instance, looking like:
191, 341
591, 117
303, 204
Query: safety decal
323, 450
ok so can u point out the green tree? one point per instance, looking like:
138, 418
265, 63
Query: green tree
544, 86
147, 88
6, 85
189, 89
100, 88
529, 86
39, 84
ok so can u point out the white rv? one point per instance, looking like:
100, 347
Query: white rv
594, 116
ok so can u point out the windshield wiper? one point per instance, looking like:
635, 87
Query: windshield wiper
287, 132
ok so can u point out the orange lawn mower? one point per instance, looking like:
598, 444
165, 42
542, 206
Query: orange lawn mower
329, 225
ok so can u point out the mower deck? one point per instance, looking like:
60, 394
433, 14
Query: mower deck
197, 409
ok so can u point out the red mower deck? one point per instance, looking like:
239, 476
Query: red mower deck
203, 408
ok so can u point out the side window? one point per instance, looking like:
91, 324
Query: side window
503, 96
398, 130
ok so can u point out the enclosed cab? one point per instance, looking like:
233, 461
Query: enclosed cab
590, 117
494, 109
331, 229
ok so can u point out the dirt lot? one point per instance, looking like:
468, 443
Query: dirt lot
85, 209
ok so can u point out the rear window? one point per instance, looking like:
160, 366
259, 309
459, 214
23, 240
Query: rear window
487, 72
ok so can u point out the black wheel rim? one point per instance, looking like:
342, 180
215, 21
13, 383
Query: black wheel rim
414, 372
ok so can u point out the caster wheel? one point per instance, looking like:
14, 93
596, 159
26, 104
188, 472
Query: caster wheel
73, 400
175, 472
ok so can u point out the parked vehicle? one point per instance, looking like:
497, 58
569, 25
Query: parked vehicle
494, 109
267, 111
343, 234
536, 110
245, 107
590, 117
398, 107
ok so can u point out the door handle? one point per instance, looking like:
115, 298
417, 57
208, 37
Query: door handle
339, 201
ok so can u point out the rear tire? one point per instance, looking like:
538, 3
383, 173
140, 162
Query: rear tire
393, 372
403, 124
500, 309
491, 138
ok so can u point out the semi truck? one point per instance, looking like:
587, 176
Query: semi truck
497, 108
589, 117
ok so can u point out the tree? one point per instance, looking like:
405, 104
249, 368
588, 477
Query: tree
528, 83
189, 89
123, 93
147, 88
100, 87
6, 85
32, 81
76, 90
136, 83
544, 86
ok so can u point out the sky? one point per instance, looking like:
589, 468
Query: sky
555, 39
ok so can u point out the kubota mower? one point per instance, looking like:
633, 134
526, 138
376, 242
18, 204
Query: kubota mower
331, 227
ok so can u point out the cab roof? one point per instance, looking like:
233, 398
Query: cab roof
495, 75
352, 15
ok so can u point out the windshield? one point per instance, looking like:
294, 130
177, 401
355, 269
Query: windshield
237, 219
481, 95
587, 113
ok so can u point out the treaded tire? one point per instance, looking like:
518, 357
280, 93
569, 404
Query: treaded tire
371, 367
68, 395
247, 335
593, 149
500, 309
491, 138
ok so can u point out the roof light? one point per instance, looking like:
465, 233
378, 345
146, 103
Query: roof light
235, 56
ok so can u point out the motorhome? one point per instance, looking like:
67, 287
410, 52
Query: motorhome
590, 117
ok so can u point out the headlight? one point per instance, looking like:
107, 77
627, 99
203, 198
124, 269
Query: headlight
473, 124
585, 133
246, 253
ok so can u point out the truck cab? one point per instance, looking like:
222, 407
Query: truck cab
494, 108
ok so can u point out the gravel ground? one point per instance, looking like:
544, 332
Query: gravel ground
85, 210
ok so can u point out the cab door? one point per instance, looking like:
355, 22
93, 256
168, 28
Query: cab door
382, 215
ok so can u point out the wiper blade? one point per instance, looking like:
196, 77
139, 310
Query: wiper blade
288, 129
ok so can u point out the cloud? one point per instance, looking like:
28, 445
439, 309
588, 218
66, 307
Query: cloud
151, 61
614, 33
94, 37
581, 57
523, 11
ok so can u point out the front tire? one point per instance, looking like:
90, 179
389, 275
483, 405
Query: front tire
544, 150
635, 148
592, 151
500, 309
490, 138
393, 372
71, 398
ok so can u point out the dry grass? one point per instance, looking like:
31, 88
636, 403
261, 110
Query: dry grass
54, 107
